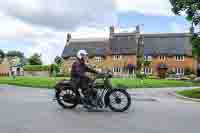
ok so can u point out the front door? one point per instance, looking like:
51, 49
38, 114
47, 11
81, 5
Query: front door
18, 71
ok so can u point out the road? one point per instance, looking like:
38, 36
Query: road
25, 110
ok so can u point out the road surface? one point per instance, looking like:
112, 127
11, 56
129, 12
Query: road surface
25, 110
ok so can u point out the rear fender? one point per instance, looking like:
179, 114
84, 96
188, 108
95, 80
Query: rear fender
62, 84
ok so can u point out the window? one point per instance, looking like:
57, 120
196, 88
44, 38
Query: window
117, 57
179, 71
162, 57
72, 58
117, 69
180, 58
148, 58
98, 59
148, 70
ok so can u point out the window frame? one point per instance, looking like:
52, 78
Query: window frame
72, 58
163, 57
148, 58
98, 58
179, 70
117, 57
117, 69
180, 57
148, 70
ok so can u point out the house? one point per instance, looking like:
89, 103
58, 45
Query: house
11, 67
4, 68
120, 50
174, 50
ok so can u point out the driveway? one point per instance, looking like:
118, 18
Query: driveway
26, 110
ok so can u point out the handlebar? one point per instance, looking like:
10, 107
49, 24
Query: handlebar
107, 74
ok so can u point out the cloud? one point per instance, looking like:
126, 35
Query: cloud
62, 14
44, 23
147, 7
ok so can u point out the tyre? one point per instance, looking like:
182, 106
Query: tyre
118, 100
67, 98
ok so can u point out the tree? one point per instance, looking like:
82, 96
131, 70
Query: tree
35, 59
2, 56
58, 60
192, 10
15, 54
15, 57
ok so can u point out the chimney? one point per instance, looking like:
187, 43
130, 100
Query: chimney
138, 29
68, 37
112, 30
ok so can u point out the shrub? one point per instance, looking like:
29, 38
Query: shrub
54, 68
36, 68
140, 75
171, 72
147, 63
62, 75
192, 76
188, 71
152, 77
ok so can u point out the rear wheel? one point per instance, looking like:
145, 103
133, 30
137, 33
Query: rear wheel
67, 98
118, 100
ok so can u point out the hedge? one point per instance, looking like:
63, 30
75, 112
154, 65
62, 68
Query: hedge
36, 68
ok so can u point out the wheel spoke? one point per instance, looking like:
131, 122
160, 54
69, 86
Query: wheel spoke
118, 100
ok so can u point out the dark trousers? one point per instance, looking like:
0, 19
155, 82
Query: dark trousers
82, 83
198, 72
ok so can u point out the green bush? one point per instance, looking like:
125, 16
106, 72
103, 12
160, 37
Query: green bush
192, 76
62, 75
188, 71
152, 77
54, 68
171, 72
36, 68
140, 75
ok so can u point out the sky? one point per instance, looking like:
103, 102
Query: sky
42, 25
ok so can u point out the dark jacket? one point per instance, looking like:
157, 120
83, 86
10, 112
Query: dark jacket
79, 68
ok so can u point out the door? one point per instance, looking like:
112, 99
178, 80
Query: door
18, 71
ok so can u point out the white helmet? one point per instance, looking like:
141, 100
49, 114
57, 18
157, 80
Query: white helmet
81, 53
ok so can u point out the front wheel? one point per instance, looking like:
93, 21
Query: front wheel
118, 100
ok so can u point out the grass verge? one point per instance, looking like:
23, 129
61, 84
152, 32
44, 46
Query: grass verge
41, 82
194, 93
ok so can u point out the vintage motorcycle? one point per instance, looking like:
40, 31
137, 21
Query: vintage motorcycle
117, 99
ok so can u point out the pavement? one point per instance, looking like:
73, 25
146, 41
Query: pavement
28, 110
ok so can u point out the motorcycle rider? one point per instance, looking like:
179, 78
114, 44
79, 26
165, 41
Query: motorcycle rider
79, 77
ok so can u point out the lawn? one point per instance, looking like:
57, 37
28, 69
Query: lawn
152, 83
30, 81
194, 93
40, 82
